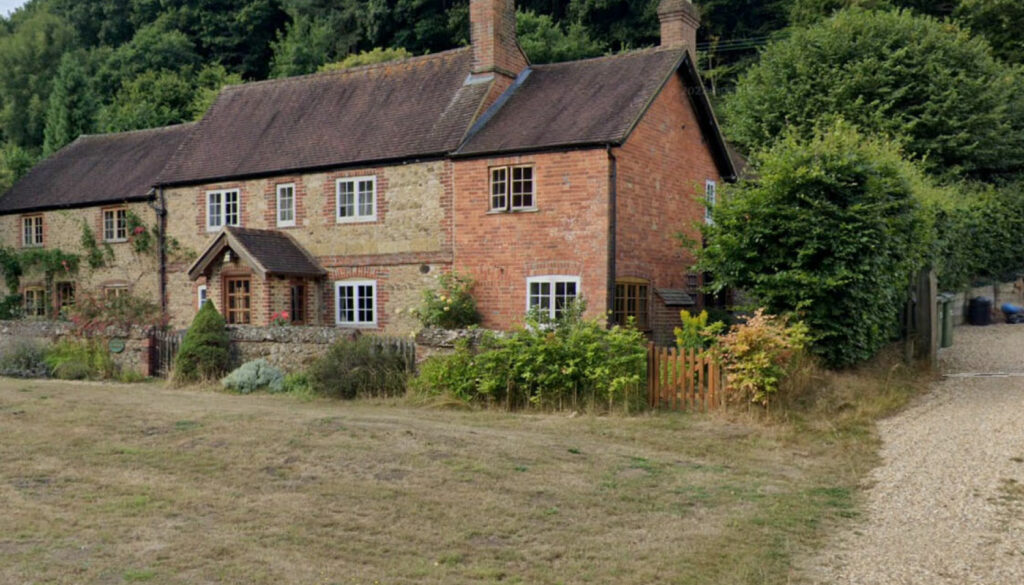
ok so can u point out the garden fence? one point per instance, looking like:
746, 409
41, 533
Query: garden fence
684, 380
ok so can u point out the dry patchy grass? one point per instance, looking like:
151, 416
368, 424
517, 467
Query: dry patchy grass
126, 484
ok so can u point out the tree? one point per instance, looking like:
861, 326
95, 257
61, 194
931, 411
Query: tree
915, 79
305, 44
15, 161
1000, 22
204, 350
150, 100
72, 106
545, 41
832, 230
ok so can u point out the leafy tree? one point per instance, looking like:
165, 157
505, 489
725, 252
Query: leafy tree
153, 49
305, 45
831, 230
204, 351
29, 59
913, 78
622, 24
15, 161
97, 22
377, 55
999, 21
72, 105
150, 100
546, 41
209, 82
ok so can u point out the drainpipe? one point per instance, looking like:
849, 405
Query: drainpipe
613, 181
161, 236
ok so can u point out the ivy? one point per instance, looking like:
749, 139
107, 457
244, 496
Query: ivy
95, 256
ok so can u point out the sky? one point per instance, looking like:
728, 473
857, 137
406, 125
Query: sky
6, 6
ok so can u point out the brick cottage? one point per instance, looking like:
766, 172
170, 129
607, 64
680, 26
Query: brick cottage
340, 196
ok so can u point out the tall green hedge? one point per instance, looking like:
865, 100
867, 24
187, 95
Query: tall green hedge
833, 229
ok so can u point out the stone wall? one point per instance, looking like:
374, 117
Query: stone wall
289, 348
134, 357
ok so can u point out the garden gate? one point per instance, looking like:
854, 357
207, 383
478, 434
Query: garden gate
163, 347
684, 380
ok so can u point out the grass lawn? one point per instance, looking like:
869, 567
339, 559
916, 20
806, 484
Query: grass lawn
106, 483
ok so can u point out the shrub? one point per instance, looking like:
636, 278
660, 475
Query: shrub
24, 359
204, 351
569, 362
297, 383
80, 360
832, 229
92, 313
452, 307
363, 367
760, 354
255, 375
696, 333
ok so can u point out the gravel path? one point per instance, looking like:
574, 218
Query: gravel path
947, 503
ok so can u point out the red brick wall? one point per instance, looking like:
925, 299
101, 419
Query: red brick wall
566, 235
662, 170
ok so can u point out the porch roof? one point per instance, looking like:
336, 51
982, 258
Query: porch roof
268, 252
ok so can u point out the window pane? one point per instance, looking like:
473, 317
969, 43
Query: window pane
499, 188
213, 210
108, 225
540, 294
522, 187
286, 204
346, 304
121, 224
231, 208
365, 304
298, 303
365, 198
346, 199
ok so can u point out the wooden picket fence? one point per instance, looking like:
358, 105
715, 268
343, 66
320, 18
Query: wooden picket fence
684, 380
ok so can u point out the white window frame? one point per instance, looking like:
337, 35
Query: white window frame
552, 280
280, 189
112, 236
355, 284
357, 203
201, 296
221, 208
32, 231
508, 186
710, 198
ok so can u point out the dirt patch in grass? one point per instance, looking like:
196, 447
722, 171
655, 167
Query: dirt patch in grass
122, 484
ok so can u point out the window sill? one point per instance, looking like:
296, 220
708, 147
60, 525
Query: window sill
346, 220
513, 211
121, 241
32, 245
356, 325
286, 225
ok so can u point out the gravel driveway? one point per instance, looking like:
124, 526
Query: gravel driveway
947, 503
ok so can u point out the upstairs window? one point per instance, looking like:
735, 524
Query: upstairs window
710, 198
286, 205
512, 188
631, 301
357, 199
551, 294
32, 231
222, 209
115, 225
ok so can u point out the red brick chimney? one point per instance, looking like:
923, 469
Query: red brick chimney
680, 20
492, 31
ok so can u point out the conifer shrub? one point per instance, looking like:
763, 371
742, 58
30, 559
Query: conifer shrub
204, 351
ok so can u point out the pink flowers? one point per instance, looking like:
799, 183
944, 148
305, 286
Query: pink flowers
280, 318
138, 230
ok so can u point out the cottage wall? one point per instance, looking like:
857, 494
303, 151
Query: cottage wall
662, 170
566, 235
404, 249
63, 230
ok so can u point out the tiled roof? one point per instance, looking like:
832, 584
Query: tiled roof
406, 109
269, 252
96, 169
593, 101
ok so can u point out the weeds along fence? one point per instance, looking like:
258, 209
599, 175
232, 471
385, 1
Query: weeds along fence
684, 380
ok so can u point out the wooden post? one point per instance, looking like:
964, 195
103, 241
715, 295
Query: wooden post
927, 345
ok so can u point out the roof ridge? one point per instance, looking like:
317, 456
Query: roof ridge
632, 53
138, 131
347, 71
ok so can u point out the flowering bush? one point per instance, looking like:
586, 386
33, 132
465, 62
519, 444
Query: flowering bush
696, 333
759, 354
451, 307
92, 314
280, 319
